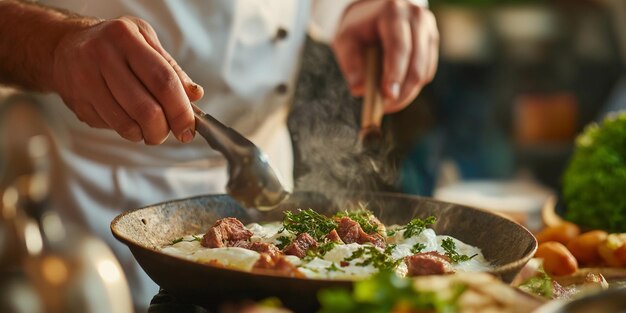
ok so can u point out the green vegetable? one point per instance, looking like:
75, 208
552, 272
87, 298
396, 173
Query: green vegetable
308, 221
540, 285
385, 292
450, 247
415, 227
418, 247
363, 217
594, 182
333, 268
379, 259
325, 247
283, 241
195, 238
320, 251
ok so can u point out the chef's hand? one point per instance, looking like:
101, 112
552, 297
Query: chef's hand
115, 74
409, 39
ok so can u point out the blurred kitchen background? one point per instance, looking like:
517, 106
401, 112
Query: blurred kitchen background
517, 81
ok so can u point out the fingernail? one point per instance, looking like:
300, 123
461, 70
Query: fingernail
187, 136
394, 88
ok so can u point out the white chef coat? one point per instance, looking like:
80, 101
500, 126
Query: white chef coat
248, 72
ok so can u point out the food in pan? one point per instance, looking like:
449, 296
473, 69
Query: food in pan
348, 245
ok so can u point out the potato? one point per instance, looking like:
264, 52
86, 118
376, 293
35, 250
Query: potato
613, 250
557, 260
585, 247
620, 254
563, 233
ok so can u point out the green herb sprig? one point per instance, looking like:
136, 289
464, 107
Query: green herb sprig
181, 239
283, 241
381, 260
415, 227
308, 221
333, 268
418, 247
319, 252
450, 247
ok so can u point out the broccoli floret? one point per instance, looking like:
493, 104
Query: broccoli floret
594, 183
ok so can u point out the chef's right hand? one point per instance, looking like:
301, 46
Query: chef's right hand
115, 74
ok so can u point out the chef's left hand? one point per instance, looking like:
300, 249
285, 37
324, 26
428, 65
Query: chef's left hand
409, 39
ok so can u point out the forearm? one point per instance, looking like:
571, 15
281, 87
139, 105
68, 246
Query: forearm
29, 35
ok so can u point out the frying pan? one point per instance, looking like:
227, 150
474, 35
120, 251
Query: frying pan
507, 245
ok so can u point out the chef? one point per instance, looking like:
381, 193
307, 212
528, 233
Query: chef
120, 73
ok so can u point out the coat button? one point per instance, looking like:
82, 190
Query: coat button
281, 34
282, 88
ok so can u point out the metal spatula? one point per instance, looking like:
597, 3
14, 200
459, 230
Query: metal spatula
252, 180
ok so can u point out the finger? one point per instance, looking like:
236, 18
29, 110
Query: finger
165, 86
410, 89
193, 90
395, 35
111, 113
349, 54
422, 57
434, 48
86, 113
136, 101
419, 66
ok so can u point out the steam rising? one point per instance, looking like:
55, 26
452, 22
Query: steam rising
325, 124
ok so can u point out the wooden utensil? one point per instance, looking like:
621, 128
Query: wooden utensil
372, 111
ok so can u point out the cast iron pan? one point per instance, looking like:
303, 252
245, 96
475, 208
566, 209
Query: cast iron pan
507, 245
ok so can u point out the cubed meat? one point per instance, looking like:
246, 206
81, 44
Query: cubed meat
260, 247
350, 232
276, 264
334, 237
428, 263
226, 232
300, 245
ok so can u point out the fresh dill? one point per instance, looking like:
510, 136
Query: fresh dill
362, 216
418, 247
308, 221
450, 247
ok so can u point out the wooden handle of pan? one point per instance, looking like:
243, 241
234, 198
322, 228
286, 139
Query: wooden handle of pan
372, 112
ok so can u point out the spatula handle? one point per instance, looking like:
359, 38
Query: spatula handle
372, 111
